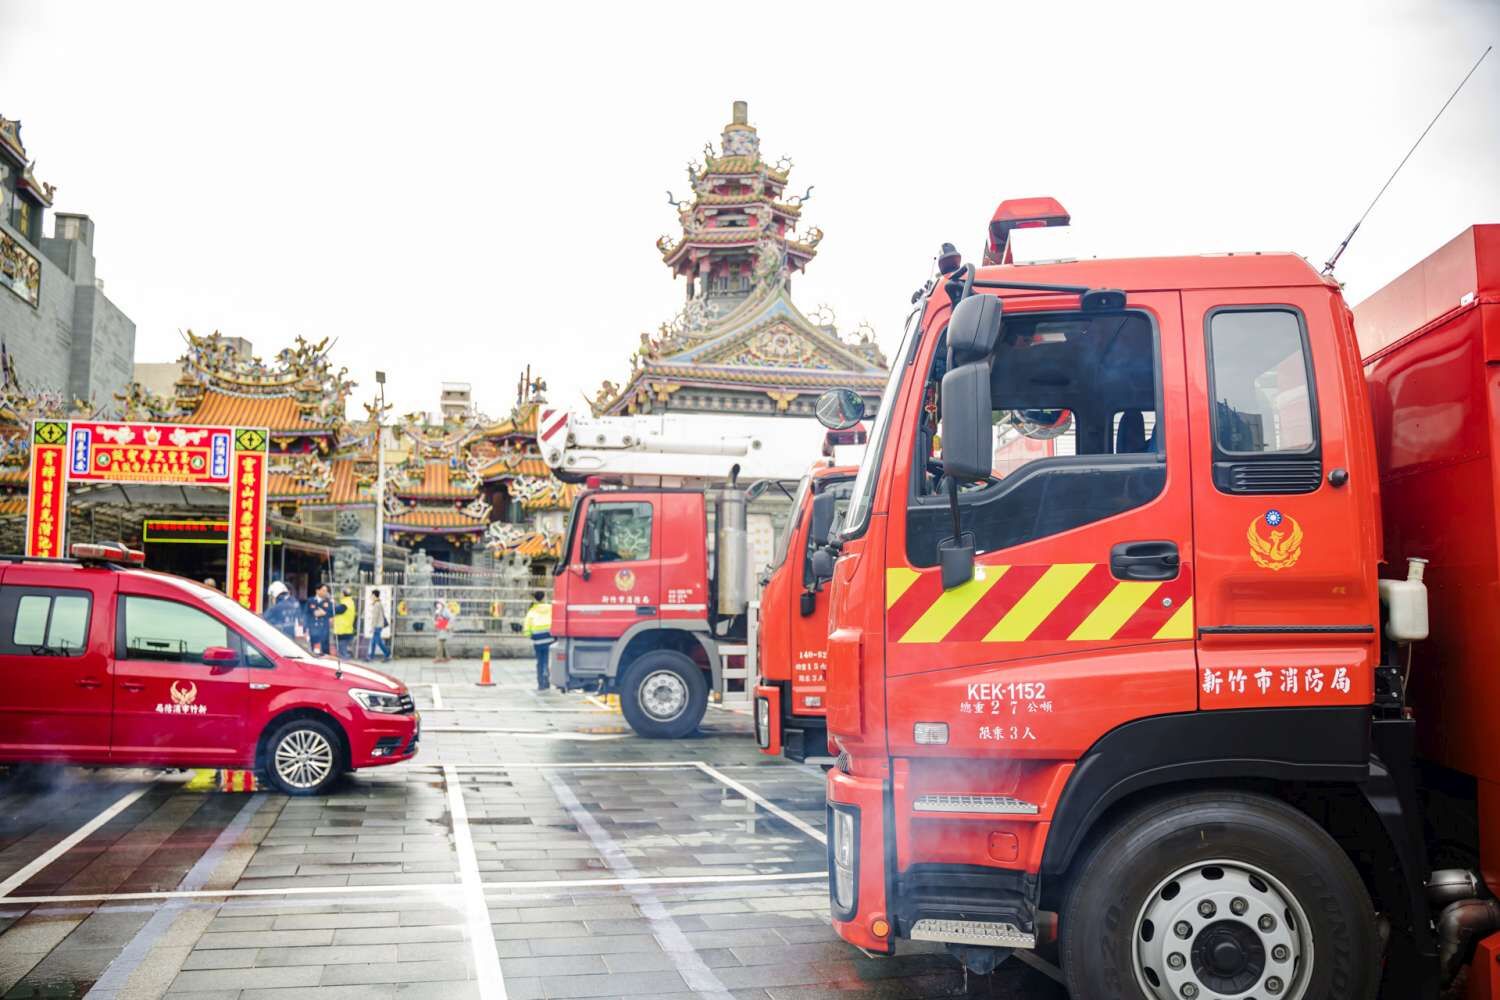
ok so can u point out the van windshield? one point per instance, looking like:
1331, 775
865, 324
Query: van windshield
253, 625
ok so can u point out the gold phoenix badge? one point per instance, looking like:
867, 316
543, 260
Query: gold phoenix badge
1281, 547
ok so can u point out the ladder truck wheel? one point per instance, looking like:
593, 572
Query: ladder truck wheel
663, 695
1218, 894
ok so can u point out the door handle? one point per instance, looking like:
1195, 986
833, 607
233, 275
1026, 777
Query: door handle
129, 686
89, 682
259, 687
1144, 561
645, 609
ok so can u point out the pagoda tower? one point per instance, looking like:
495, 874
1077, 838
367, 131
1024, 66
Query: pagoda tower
740, 345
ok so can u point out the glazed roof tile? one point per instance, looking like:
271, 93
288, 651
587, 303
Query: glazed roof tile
435, 519
279, 413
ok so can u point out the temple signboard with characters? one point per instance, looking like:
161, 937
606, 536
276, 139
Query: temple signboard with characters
85, 451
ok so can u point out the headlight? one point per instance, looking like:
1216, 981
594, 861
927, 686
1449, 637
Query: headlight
377, 701
843, 852
763, 721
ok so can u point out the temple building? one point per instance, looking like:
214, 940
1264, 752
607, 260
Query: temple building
59, 333
740, 345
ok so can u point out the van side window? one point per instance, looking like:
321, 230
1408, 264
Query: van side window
1077, 432
1265, 407
155, 629
618, 532
43, 621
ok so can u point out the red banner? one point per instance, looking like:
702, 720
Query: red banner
148, 453
47, 502
247, 527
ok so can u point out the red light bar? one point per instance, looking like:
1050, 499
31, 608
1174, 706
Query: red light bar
1020, 213
107, 553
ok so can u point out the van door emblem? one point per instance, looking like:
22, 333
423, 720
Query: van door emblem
1281, 546
184, 696
184, 701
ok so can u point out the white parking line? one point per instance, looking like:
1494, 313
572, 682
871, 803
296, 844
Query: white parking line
437, 698
430, 888
72, 840
690, 965
529, 734
481, 934
761, 801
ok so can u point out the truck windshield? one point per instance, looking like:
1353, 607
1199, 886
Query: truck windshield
858, 513
252, 625
778, 556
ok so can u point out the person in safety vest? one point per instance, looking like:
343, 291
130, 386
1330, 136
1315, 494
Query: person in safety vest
538, 627
345, 615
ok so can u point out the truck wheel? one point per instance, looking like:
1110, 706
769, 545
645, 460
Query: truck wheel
304, 757
1222, 894
663, 695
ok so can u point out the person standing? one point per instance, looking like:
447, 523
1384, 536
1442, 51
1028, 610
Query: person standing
345, 619
282, 614
441, 619
538, 627
319, 620
379, 643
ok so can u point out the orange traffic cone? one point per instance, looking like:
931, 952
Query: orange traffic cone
484, 671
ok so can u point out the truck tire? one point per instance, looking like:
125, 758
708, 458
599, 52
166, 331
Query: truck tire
1214, 895
663, 695
304, 756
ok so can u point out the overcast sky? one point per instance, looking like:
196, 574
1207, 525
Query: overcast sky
454, 190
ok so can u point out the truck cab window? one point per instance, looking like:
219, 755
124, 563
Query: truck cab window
44, 622
1076, 429
155, 629
1260, 371
618, 532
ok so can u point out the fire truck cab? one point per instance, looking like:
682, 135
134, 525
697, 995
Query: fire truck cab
1139, 687
792, 654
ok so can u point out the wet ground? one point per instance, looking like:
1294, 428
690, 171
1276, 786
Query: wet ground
536, 848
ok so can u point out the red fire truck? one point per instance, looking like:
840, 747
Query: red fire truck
792, 655
652, 594
1155, 692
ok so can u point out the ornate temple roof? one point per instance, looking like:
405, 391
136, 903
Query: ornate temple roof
740, 344
279, 413
12, 149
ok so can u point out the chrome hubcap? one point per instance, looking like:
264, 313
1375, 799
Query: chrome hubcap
664, 695
304, 758
1222, 929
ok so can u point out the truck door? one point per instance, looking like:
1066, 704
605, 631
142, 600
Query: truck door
54, 665
1286, 610
1080, 611
170, 706
809, 632
614, 578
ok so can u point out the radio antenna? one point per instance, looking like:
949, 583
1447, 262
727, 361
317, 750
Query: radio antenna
1328, 267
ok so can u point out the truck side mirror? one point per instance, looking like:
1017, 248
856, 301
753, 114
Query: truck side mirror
840, 409
807, 603
822, 565
968, 428
823, 509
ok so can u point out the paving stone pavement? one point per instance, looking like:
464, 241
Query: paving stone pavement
586, 863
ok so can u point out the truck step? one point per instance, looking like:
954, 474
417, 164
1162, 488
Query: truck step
999, 805
973, 932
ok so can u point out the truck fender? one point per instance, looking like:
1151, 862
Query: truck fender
697, 629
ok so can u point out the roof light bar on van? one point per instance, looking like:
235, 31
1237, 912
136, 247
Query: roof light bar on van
93, 552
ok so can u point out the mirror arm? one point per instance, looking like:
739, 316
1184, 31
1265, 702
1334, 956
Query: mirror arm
953, 509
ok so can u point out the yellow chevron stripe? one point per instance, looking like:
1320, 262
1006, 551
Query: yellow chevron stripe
1115, 610
1038, 602
897, 580
949, 609
1180, 625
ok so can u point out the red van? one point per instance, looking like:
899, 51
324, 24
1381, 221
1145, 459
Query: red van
104, 663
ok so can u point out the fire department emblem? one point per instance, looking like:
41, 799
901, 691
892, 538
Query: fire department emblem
184, 700
186, 695
1280, 546
624, 580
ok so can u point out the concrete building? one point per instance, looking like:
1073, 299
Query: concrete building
458, 401
60, 332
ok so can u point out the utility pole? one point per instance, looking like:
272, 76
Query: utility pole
380, 482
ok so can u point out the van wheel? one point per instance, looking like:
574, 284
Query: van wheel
304, 757
1214, 895
663, 695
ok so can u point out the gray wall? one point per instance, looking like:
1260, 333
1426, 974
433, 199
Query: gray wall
77, 342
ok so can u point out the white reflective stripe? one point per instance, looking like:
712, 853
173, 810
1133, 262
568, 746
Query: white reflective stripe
684, 607
601, 607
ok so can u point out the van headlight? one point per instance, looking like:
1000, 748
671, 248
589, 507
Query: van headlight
377, 701
843, 859
763, 722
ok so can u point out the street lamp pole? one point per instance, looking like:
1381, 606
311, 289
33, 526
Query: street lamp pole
380, 482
